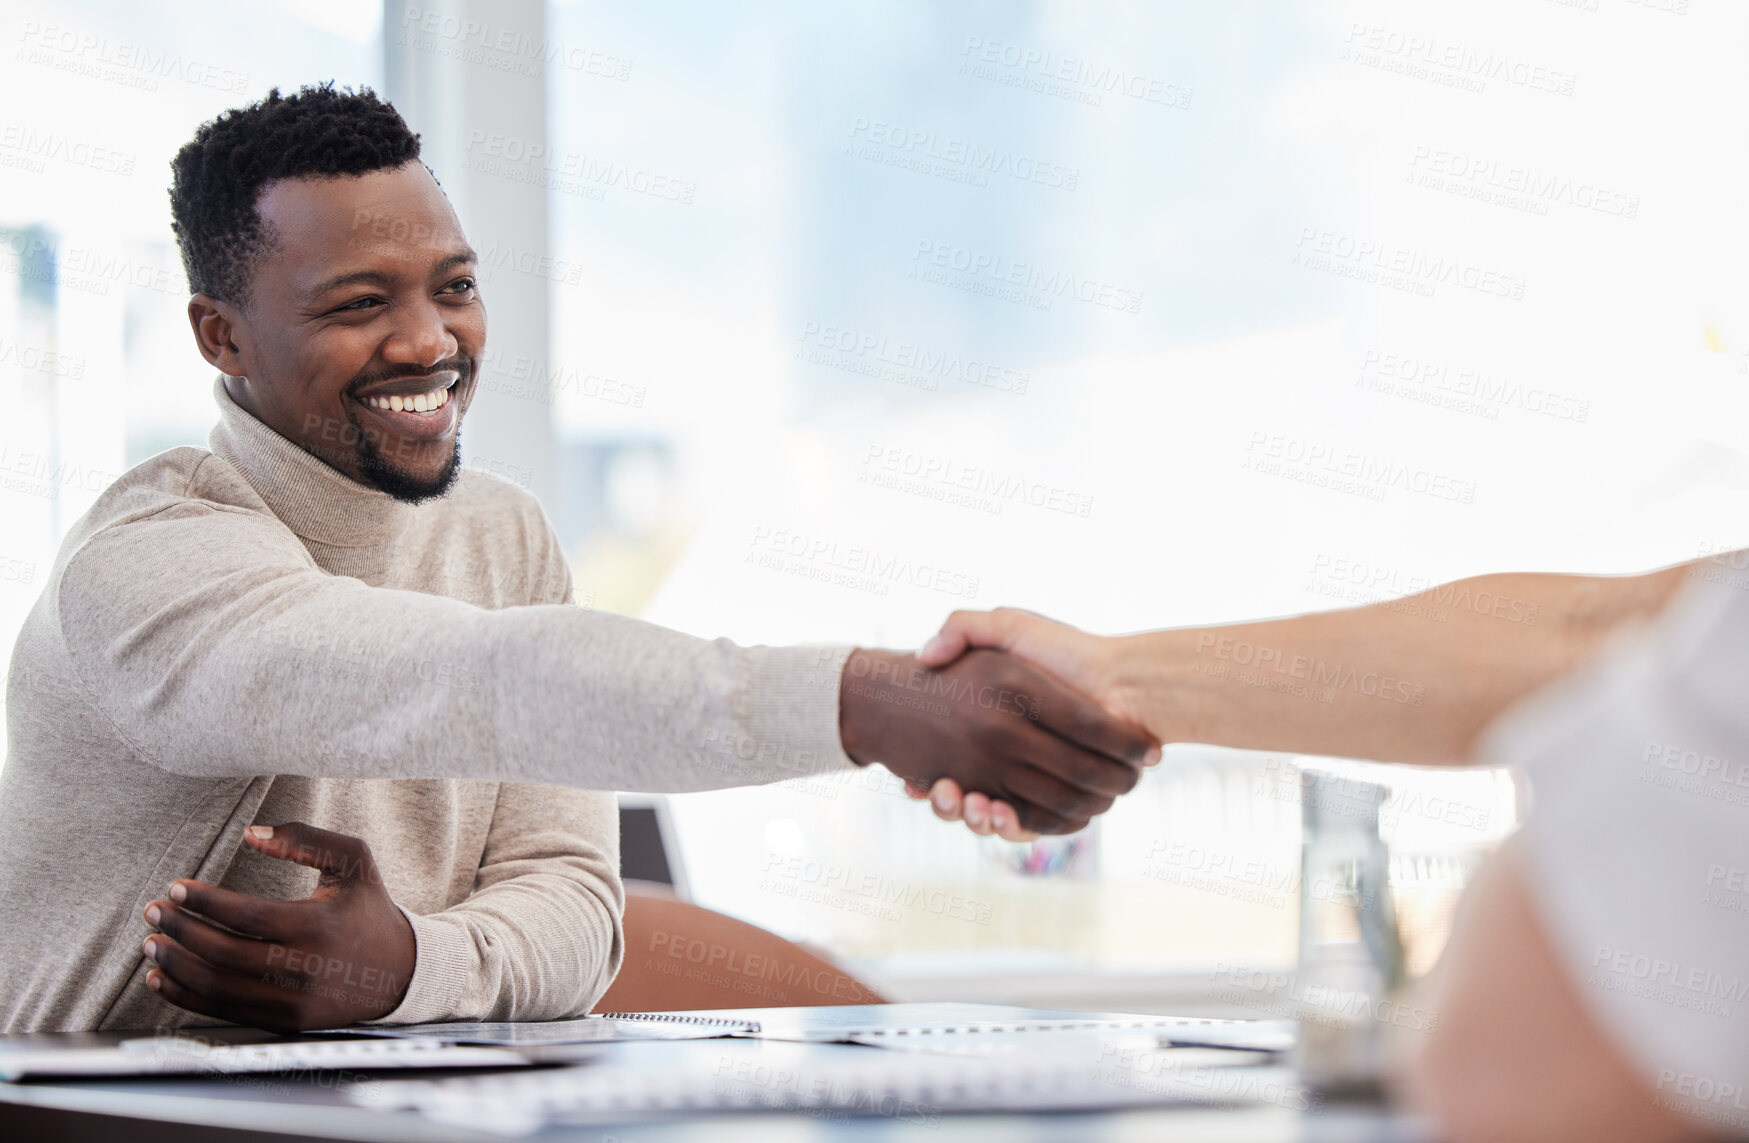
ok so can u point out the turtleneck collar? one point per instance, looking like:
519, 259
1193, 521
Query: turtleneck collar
313, 499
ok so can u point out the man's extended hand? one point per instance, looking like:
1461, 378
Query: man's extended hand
341, 955
1086, 662
993, 723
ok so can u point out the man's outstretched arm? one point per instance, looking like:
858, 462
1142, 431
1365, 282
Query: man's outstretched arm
210, 641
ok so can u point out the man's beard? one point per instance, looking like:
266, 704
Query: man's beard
376, 469
403, 485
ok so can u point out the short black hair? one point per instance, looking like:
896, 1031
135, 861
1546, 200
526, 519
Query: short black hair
219, 174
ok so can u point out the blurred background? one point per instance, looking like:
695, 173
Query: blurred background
813, 324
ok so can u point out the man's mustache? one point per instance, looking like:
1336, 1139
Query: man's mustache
463, 366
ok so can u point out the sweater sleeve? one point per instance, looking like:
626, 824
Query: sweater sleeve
540, 937
217, 648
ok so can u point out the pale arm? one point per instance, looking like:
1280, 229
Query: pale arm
1516, 1055
1411, 680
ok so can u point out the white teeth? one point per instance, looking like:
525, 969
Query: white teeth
421, 403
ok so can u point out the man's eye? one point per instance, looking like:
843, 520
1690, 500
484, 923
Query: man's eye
359, 304
460, 286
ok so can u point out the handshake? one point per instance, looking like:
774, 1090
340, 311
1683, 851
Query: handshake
1015, 722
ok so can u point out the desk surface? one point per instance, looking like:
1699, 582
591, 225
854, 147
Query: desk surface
194, 1110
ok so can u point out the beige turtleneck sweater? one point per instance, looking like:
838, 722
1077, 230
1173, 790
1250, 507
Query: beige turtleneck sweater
247, 636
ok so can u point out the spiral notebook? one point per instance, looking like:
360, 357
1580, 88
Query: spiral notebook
914, 1025
605, 1028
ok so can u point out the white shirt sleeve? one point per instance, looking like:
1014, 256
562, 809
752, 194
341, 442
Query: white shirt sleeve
1637, 845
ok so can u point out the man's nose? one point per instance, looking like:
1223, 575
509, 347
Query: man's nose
420, 337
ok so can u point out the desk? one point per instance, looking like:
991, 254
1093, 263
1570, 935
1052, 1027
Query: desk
209, 1109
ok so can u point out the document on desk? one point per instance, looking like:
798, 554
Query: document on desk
1073, 1072
895, 1025
607, 1028
182, 1056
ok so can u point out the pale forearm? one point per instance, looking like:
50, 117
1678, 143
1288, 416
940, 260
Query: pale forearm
1410, 680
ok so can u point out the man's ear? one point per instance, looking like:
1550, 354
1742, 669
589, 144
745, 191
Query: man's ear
215, 334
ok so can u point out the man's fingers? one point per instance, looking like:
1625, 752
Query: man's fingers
188, 981
339, 856
184, 997
235, 990
1033, 788
1072, 715
1038, 820
244, 913
1078, 766
222, 950
227, 1010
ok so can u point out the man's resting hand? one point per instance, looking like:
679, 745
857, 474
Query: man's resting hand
991, 723
341, 955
